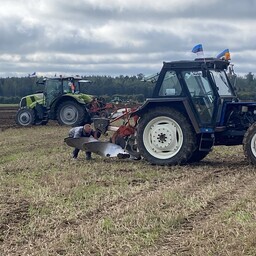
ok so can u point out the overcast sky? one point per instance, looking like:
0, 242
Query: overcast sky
121, 37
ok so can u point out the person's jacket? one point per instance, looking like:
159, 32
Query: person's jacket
78, 132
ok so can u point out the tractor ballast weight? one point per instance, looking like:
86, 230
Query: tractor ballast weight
193, 108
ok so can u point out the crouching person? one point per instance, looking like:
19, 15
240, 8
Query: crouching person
83, 131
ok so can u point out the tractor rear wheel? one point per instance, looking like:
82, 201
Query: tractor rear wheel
71, 113
25, 117
249, 144
165, 137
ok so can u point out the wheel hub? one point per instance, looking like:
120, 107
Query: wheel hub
161, 138
69, 114
24, 118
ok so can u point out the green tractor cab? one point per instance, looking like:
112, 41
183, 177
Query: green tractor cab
60, 100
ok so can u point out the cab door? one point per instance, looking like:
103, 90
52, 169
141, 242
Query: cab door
202, 95
53, 89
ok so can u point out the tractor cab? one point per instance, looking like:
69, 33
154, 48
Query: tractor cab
57, 87
202, 85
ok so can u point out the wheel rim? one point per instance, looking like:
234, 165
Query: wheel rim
163, 137
69, 114
253, 145
25, 118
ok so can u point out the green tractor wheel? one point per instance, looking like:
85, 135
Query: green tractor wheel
71, 113
25, 117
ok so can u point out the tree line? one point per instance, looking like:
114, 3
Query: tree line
12, 89
245, 86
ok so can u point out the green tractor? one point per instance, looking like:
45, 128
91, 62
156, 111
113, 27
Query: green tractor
60, 100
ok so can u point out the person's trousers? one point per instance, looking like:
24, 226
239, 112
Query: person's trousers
76, 151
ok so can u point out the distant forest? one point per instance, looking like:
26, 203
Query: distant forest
123, 87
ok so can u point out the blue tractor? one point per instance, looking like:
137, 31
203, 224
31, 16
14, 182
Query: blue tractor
194, 107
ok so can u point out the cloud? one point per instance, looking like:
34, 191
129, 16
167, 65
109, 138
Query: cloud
121, 37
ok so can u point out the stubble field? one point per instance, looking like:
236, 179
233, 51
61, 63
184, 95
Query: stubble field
51, 205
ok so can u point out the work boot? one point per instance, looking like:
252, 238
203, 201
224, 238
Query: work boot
88, 155
74, 157
123, 156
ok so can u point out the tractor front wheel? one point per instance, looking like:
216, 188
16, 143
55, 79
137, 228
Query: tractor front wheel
25, 117
249, 144
165, 137
71, 113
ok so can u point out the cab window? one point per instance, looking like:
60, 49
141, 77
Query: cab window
170, 85
202, 94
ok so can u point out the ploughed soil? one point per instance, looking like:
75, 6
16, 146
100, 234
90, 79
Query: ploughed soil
7, 117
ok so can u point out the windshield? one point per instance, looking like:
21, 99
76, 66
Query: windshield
220, 79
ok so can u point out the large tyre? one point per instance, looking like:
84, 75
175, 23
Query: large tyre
165, 137
25, 117
70, 113
249, 144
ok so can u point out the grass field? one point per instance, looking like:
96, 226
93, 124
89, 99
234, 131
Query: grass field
51, 205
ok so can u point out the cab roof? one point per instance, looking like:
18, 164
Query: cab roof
202, 63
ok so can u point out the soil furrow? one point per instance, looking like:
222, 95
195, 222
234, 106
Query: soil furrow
176, 243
